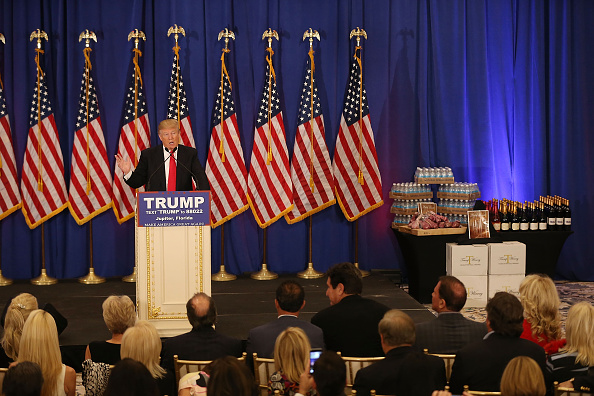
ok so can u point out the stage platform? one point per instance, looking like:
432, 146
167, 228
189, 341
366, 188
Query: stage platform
242, 304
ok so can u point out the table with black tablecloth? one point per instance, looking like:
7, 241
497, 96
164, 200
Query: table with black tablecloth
425, 256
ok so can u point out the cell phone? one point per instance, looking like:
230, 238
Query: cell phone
314, 354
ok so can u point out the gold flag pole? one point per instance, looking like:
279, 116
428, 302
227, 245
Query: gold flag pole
358, 33
310, 272
90, 278
43, 279
136, 35
269, 34
3, 281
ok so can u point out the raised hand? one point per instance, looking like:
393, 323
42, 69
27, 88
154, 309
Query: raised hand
124, 164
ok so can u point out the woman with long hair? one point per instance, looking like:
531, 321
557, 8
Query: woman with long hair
39, 344
522, 376
291, 358
16, 315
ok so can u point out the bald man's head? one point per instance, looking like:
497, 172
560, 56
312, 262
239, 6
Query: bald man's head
202, 311
453, 292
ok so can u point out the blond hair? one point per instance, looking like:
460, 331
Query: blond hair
141, 342
17, 313
39, 344
118, 313
167, 124
291, 353
540, 301
579, 327
522, 377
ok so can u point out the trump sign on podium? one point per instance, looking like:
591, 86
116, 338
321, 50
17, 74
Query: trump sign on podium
173, 208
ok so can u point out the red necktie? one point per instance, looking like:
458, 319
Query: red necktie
172, 173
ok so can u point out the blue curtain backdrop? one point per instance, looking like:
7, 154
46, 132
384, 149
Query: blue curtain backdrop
499, 90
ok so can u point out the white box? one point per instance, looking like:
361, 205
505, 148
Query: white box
505, 283
507, 258
463, 260
476, 290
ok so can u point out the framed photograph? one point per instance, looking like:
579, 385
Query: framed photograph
426, 207
478, 224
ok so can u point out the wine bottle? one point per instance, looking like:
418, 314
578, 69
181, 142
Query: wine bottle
504, 218
567, 218
559, 220
524, 224
515, 221
496, 220
551, 215
542, 222
533, 217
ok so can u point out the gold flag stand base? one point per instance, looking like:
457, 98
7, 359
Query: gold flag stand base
91, 278
363, 272
223, 276
44, 279
310, 273
130, 278
4, 281
264, 274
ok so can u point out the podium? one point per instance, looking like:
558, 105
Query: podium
172, 246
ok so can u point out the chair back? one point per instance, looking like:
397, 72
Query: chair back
480, 393
372, 393
447, 359
183, 367
2, 374
561, 391
263, 369
354, 364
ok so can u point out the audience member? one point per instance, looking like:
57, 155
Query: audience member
17, 313
229, 377
329, 376
290, 300
23, 379
480, 364
141, 342
450, 331
582, 383
574, 359
542, 323
39, 344
350, 323
291, 358
131, 378
119, 314
522, 377
194, 384
397, 333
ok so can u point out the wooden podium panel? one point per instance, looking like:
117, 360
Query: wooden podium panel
172, 264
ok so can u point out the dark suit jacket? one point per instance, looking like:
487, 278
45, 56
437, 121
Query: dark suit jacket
449, 332
404, 371
350, 327
151, 162
261, 339
480, 365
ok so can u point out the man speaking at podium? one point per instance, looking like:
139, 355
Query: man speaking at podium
167, 167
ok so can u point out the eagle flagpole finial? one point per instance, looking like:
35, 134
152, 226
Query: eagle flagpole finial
227, 34
310, 33
358, 32
137, 35
176, 30
87, 36
38, 34
269, 34
2, 38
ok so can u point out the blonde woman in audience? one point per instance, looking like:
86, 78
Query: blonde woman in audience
574, 359
291, 358
16, 315
39, 344
522, 376
542, 323
118, 314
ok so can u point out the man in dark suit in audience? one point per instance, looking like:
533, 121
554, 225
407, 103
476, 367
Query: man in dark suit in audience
350, 322
405, 370
480, 364
450, 331
290, 299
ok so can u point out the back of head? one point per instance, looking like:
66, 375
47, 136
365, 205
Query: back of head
141, 342
453, 292
579, 328
505, 314
329, 374
397, 328
118, 313
201, 310
230, 377
347, 274
24, 379
540, 301
39, 344
291, 353
522, 377
290, 296
17, 313
131, 378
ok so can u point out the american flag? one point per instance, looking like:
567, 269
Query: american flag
311, 169
177, 105
356, 173
134, 137
269, 181
225, 167
90, 176
42, 183
10, 196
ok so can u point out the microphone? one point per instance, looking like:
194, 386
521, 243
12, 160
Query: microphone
189, 171
148, 183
